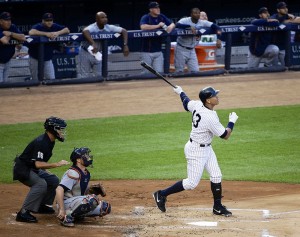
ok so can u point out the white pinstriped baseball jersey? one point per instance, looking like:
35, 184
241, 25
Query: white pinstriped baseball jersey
205, 123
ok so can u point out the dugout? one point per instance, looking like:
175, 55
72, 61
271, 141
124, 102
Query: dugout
76, 14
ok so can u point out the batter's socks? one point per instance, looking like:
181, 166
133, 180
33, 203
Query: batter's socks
176, 188
216, 189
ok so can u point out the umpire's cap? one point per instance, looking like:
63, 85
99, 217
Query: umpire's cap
207, 93
56, 126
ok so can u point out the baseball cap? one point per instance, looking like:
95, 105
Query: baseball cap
5, 16
262, 10
281, 5
48, 16
153, 5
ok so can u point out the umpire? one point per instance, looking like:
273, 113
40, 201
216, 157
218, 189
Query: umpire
30, 169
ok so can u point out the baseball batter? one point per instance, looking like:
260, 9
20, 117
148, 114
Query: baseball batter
74, 197
198, 150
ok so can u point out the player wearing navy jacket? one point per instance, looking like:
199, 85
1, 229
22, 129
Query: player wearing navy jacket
50, 30
261, 43
9, 36
151, 46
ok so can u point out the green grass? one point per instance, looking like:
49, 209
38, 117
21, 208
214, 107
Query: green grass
263, 147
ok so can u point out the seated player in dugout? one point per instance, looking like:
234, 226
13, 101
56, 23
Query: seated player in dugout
76, 198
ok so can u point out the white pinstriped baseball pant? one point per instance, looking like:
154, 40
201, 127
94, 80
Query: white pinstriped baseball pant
200, 158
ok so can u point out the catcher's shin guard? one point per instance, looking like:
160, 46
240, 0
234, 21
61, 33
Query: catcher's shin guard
105, 208
87, 204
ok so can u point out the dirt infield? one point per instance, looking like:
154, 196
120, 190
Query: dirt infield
259, 209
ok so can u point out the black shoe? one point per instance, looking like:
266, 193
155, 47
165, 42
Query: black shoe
46, 210
160, 201
25, 217
221, 210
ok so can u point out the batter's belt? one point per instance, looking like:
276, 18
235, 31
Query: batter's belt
201, 145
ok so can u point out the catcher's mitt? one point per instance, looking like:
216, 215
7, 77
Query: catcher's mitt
97, 189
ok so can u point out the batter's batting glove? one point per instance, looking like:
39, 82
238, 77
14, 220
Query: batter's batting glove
233, 117
178, 90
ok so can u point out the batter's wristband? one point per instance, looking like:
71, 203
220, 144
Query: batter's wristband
230, 125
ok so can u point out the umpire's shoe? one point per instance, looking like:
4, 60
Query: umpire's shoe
160, 201
44, 209
25, 217
221, 210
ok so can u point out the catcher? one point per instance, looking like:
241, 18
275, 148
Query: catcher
75, 198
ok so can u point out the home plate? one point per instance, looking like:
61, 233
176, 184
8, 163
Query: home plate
204, 223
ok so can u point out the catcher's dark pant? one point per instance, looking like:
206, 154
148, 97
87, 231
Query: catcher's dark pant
42, 189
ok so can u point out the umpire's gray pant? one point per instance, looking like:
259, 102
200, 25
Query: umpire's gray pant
42, 190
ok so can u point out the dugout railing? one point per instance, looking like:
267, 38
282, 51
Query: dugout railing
117, 67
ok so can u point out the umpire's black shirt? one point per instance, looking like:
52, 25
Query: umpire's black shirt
40, 149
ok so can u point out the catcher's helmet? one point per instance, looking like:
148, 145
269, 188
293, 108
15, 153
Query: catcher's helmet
57, 127
82, 153
207, 93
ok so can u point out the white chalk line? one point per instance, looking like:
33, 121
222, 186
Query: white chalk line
284, 213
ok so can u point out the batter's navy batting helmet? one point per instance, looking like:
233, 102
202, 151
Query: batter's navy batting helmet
82, 153
207, 93
57, 127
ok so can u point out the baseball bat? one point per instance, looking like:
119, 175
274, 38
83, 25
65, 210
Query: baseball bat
151, 69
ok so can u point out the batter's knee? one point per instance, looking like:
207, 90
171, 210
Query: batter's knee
189, 184
216, 179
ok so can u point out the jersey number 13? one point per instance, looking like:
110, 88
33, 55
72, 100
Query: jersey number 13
196, 119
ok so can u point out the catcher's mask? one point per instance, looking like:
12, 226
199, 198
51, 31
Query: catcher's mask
57, 127
207, 93
84, 154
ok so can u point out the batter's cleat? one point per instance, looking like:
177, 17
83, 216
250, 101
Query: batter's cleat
160, 201
26, 217
221, 210
44, 209
68, 221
